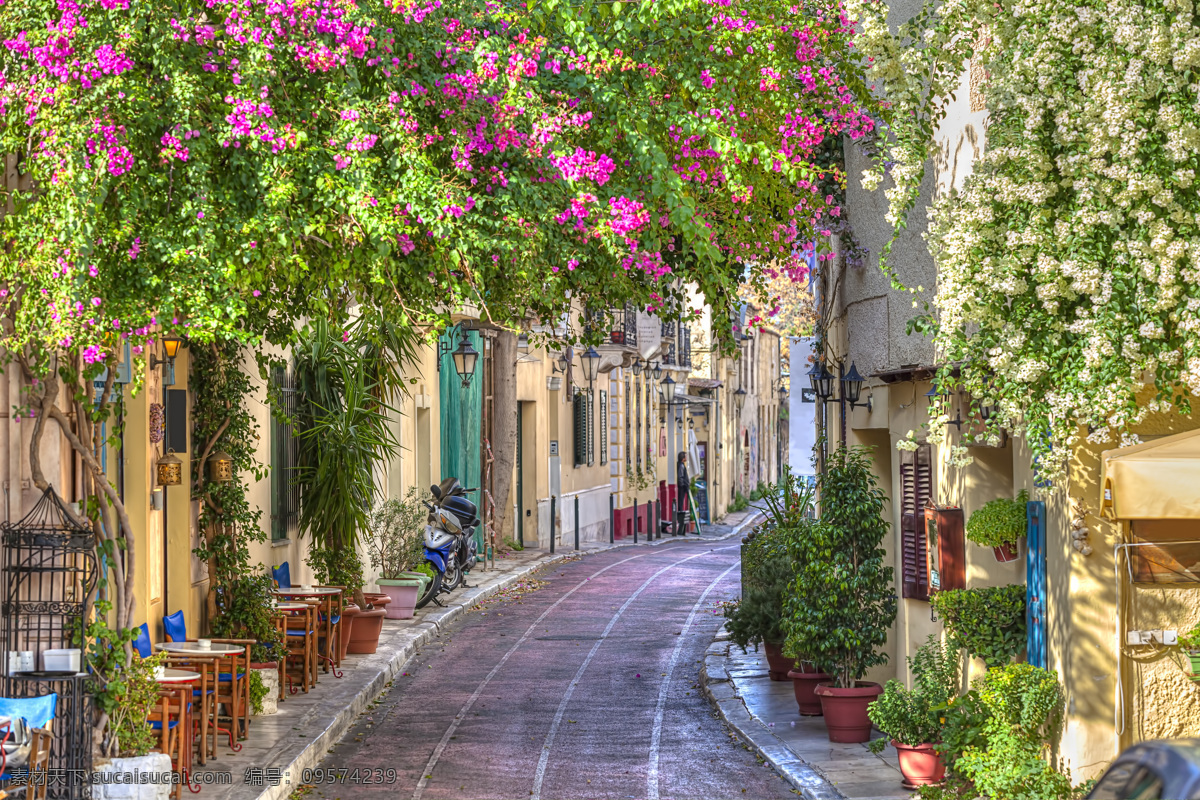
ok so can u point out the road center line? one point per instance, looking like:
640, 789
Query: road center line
540, 775
660, 709
441, 746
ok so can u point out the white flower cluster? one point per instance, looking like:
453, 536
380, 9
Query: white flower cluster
1069, 261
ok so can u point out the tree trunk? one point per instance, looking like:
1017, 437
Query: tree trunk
504, 431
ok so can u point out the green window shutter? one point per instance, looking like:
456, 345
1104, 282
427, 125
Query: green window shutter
590, 422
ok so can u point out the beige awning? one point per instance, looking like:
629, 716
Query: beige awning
1159, 479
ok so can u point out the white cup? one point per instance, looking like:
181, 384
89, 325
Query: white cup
204, 644
306, 587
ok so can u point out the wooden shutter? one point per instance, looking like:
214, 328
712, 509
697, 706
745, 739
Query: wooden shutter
916, 488
603, 427
579, 429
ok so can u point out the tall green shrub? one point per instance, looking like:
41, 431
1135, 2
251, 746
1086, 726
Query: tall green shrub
842, 601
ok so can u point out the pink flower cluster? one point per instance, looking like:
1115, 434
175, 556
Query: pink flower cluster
583, 164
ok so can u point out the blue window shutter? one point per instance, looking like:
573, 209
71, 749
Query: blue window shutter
1035, 583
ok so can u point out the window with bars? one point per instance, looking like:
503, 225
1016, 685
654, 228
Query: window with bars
285, 495
916, 489
603, 427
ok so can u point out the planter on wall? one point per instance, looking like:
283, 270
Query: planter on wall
1194, 658
403, 593
269, 672
845, 710
804, 684
364, 633
777, 662
920, 765
1006, 552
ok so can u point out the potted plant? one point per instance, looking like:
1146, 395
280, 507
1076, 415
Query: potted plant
396, 545
912, 719
842, 601
999, 524
1190, 642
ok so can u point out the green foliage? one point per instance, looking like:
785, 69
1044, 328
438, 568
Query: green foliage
1024, 707
757, 617
513, 544
395, 540
842, 602
999, 522
239, 597
758, 491
740, 503
123, 688
425, 569
1191, 639
258, 691
336, 567
914, 717
963, 724
342, 432
989, 623
790, 500
246, 613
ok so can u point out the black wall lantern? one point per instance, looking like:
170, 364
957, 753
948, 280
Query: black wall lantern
464, 357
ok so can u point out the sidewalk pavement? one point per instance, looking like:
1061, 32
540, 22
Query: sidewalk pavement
281, 747
764, 712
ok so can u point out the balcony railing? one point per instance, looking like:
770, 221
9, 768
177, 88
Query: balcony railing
669, 354
624, 329
668, 330
685, 346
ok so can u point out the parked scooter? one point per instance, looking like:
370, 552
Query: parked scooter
450, 548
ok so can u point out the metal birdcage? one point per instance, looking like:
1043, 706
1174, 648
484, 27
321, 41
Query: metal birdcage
49, 574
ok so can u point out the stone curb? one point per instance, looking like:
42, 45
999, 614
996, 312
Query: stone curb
722, 693
395, 653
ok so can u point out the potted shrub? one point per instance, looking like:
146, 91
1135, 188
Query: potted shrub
842, 601
912, 719
1190, 642
396, 546
767, 571
1000, 525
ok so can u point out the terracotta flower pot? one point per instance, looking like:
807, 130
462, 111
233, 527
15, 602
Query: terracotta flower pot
364, 634
349, 612
920, 764
778, 663
845, 710
804, 684
402, 594
377, 599
1006, 552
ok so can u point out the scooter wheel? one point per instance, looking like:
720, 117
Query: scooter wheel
431, 589
452, 578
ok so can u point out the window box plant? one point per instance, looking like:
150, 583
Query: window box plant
1190, 642
912, 719
1000, 525
842, 601
396, 546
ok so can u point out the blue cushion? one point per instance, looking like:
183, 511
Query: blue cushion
175, 627
142, 642
157, 724
282, 575
36, 711
224, 676
336, 618
196, 692
300, 633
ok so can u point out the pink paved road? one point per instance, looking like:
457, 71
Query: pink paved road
585, 688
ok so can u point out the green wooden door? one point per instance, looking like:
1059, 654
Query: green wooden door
461, 415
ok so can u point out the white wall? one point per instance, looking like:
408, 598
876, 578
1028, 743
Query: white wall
802, 422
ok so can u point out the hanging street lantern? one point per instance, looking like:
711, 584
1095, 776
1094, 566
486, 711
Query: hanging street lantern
464, 360
591, 364
169, 470
220, 467
668, 390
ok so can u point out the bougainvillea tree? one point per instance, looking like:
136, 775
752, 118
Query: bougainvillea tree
1069, 264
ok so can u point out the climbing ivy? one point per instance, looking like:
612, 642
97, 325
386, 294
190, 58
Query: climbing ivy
238, 598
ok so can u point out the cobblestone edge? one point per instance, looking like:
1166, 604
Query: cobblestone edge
722, 693
400, 648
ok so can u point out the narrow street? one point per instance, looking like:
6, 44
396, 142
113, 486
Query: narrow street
584, 688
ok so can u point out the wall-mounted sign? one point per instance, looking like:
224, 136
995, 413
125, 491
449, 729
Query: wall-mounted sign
808, 396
